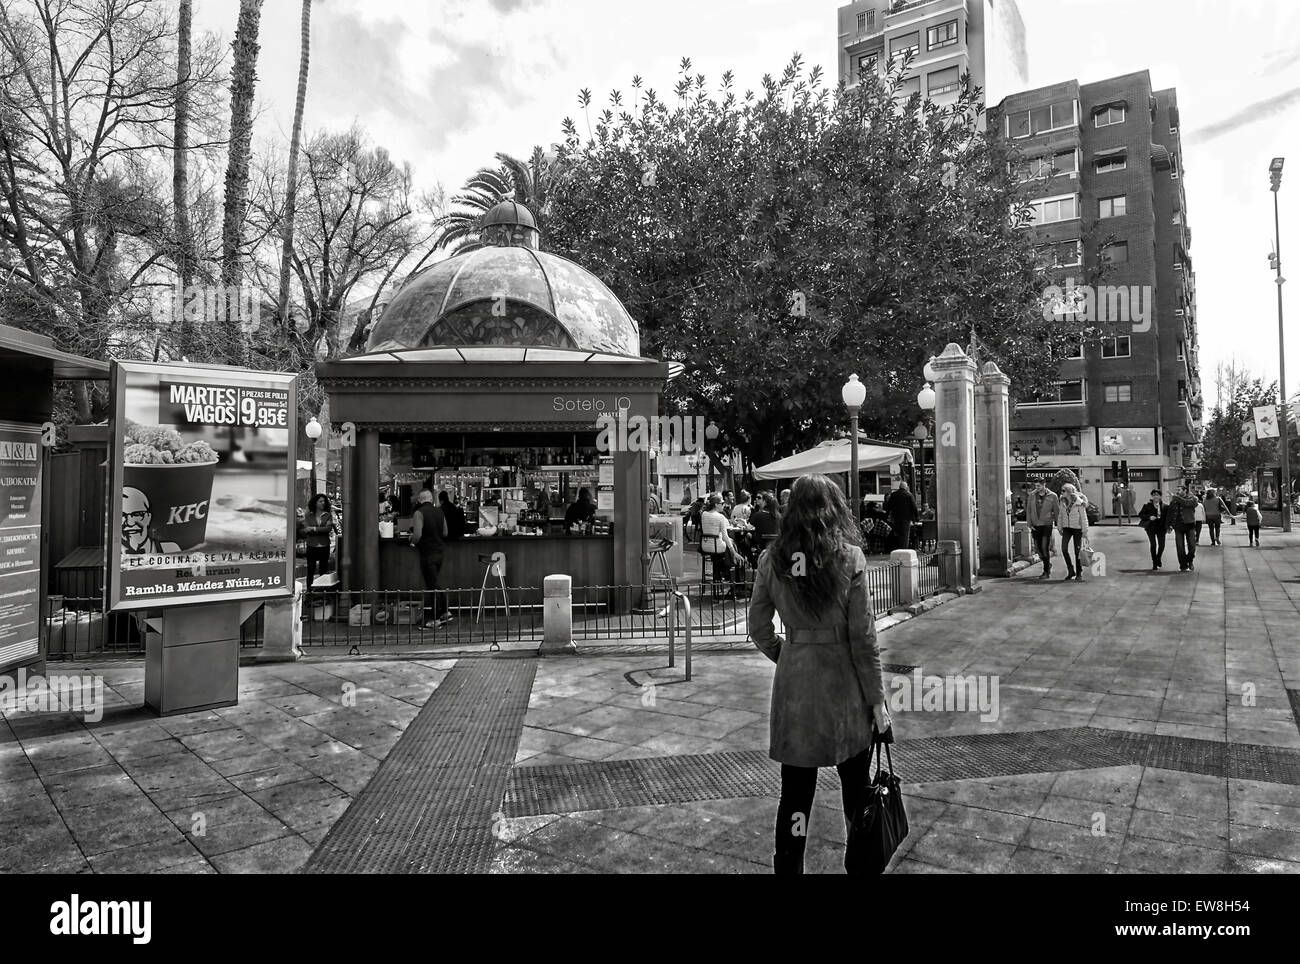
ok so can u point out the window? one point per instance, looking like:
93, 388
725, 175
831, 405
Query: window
1119, 392
1173, 166
900, 47
1182, 350
1061, 393
1061, 254
1113, 207
1073, 350
1041, 168
867, 65
1114, 253
1111, 164
910, 86
1182, 390
943, 81
1040, 120
1118, 346
862, 22
1051, 210
944, 35
1108, 116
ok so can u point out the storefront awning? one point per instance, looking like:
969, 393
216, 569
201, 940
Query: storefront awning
19, 345
832, 457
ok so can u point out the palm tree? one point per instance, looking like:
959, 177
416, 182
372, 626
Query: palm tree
243, 81
531, 183
291, 194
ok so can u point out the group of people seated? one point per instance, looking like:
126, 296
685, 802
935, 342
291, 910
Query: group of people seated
732, 533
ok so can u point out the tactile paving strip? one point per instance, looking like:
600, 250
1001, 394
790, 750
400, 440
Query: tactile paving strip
431, 804
610, 785
1294, 697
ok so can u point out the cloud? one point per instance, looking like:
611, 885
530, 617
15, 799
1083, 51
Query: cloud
1247, 115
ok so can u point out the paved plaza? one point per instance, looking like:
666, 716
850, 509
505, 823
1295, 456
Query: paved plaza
1145, 722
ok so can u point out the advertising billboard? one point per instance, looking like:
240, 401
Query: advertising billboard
202, 461
20, 541
1126, 441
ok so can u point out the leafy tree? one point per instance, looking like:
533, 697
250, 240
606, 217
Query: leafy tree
773, 243
1230, 434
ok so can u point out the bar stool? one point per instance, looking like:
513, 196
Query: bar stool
659, 559
495, 565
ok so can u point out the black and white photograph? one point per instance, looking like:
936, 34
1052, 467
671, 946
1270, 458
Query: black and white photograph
556, 437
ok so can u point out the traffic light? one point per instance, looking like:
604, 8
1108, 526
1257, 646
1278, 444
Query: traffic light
1123, 470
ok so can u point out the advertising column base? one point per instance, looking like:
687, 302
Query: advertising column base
192, 657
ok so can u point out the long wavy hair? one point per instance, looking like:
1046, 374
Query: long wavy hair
817, 522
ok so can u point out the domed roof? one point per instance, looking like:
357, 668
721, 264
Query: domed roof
506, 296
509, 212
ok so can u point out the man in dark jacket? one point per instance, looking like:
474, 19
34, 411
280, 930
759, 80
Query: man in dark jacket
1041, 509
902, 511
454, 515
1181, 515
1152, 518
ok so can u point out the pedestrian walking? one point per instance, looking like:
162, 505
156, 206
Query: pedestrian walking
1254, 518
1182, 519
1215, 509
1152, 519
1040, 512
902, 511
828, 689
1072, 517
429, 533
1200, 514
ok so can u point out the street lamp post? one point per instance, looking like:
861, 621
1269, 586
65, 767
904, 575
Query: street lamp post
1025, 460
313, 430
925, 399
854, 394
1275, 176
710, 437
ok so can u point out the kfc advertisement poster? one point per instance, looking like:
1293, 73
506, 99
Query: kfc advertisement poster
202, 460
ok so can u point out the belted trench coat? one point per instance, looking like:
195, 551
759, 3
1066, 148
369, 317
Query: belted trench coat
827, 667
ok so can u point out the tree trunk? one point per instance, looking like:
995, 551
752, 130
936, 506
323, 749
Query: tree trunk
243, 81
185, 256
291, 195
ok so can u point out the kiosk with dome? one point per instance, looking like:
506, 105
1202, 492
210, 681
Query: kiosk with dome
487, 377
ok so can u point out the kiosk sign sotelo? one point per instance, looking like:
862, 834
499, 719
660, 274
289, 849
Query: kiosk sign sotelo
20, 545
203, 467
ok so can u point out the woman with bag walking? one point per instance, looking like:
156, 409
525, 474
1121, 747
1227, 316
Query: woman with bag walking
828, 691
1073, 521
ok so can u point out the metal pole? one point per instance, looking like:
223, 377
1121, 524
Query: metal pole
1283, 427
854, 499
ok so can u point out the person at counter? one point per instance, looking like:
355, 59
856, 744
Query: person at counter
428, 537
315, 528
581, 512
454, 515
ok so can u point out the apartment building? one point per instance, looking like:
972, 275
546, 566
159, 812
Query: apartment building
949, 38
1106, 169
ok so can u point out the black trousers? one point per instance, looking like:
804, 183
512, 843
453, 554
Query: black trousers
1252, 534
794, 812
1214, 526
1185, 543
1043, 546
1075, 536
1157, 540
318, 560
429, 566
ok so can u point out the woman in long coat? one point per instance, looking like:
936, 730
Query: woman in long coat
828, 689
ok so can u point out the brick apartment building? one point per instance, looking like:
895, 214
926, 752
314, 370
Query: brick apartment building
949, 37
1107, 173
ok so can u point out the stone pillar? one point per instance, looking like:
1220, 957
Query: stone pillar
909, 576
954, 456
557, 616
949, 554
993, 471
366, 511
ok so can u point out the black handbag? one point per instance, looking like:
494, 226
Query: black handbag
880, 825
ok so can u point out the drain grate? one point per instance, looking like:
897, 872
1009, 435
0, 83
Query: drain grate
571, 787
430, 806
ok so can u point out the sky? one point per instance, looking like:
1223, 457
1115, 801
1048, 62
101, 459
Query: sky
444, 84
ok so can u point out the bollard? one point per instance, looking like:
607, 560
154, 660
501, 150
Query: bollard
1022, 541
557, 616
949, 553
282, 627
909, 577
